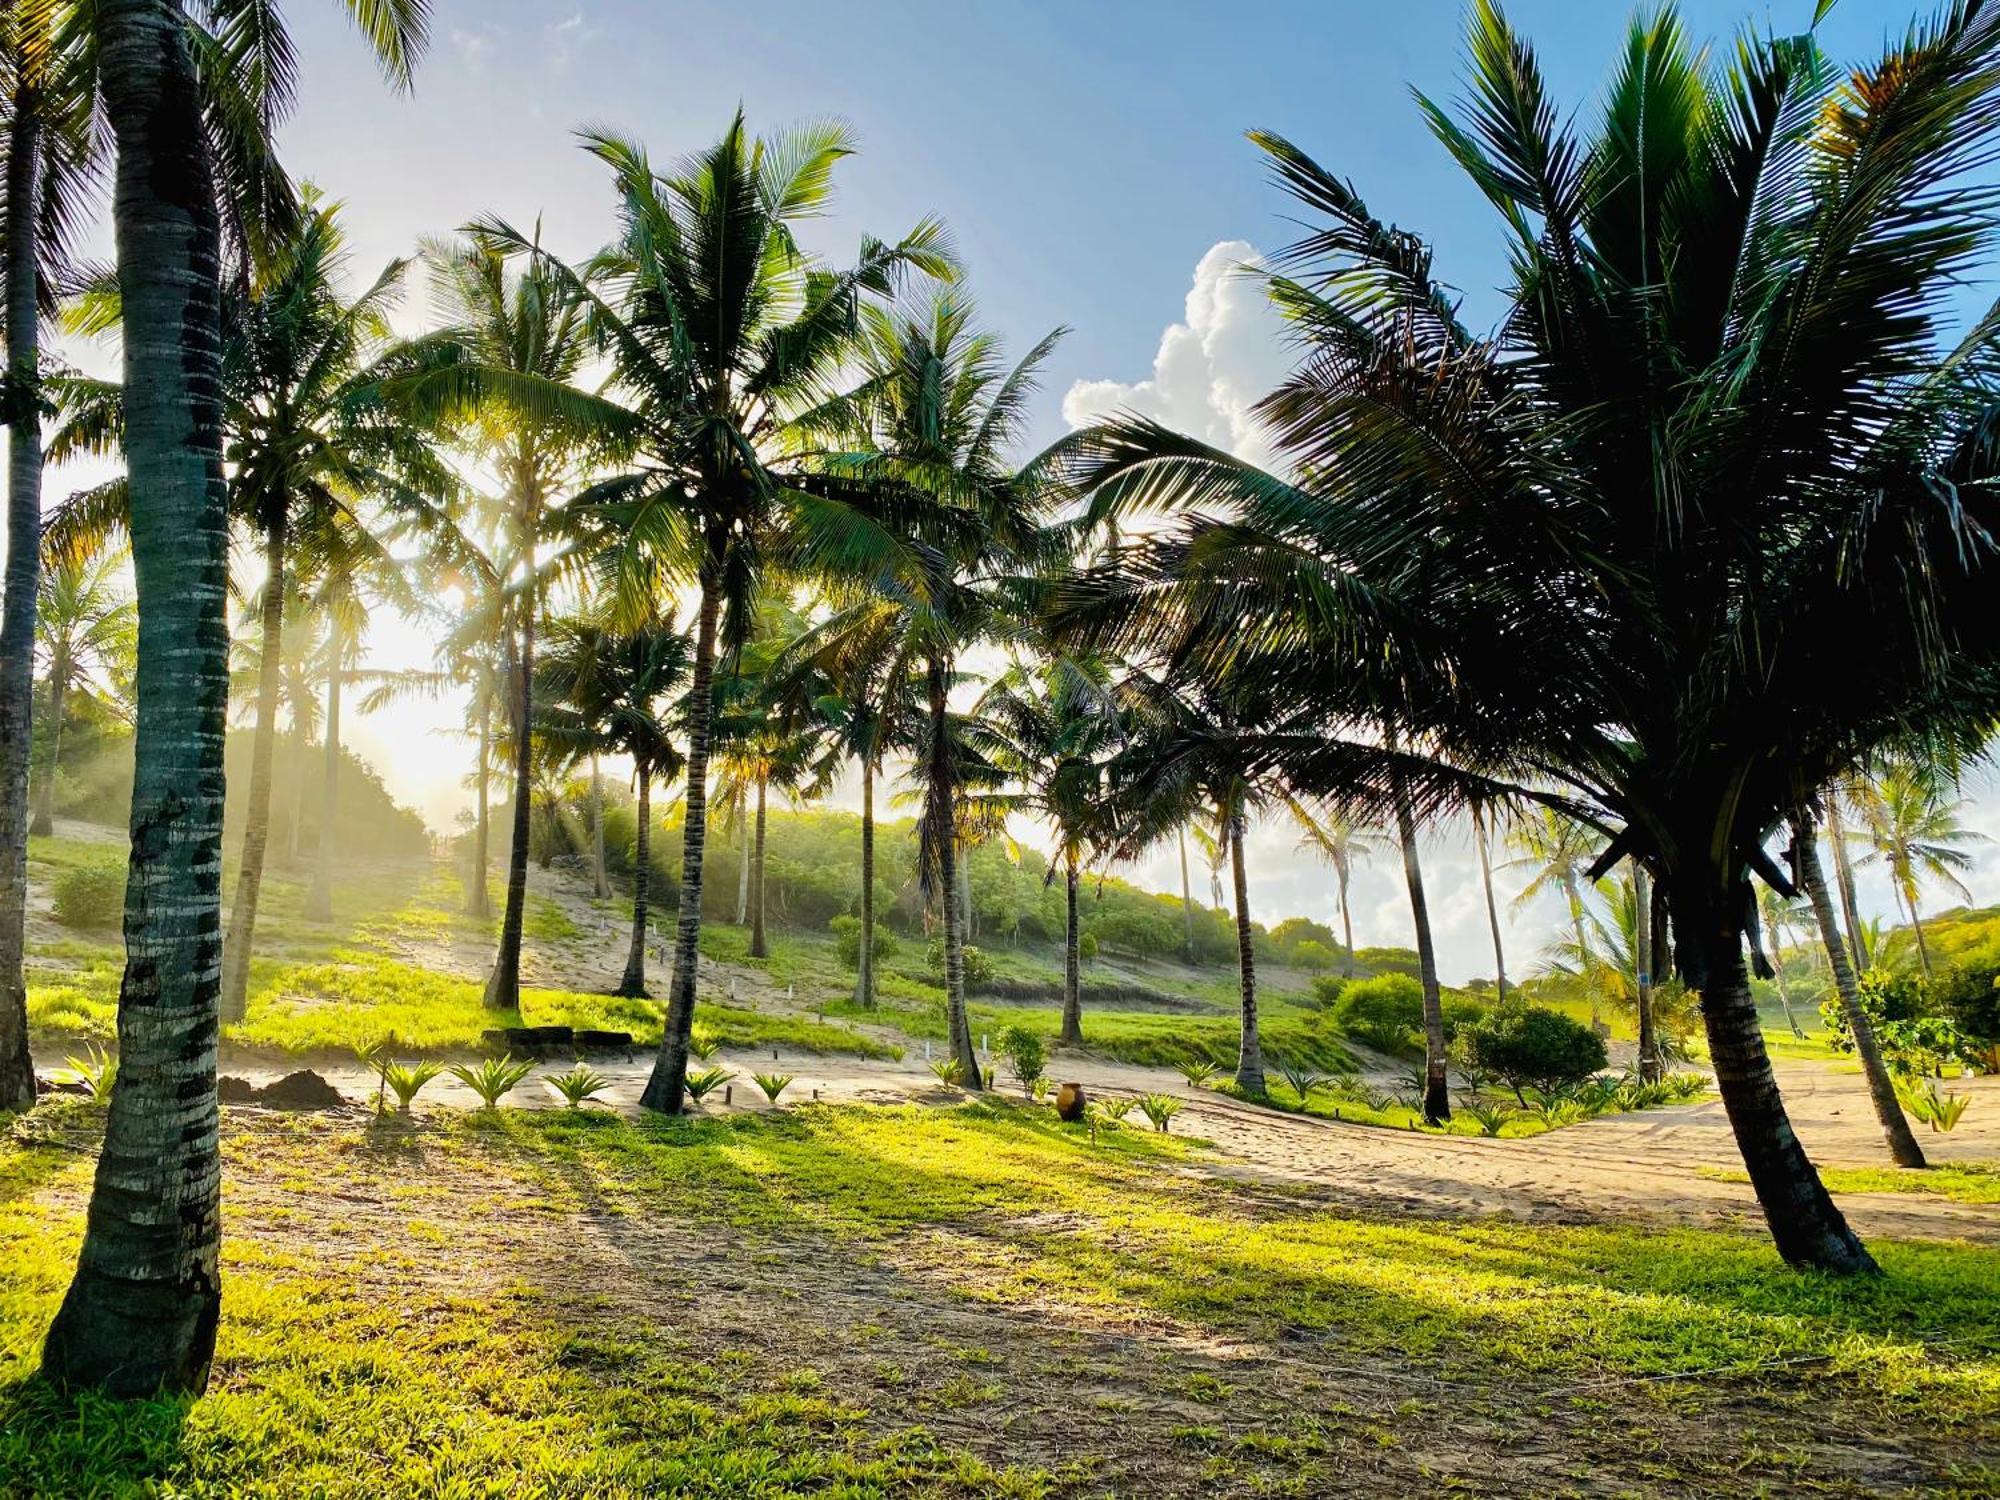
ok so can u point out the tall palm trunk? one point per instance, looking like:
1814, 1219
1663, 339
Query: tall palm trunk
600, 884
759, 947
140, 1315
864, 978
1917, 927
1346, 918
257, 813
503, 988
1643, 976
319, 900
1437, 1097
44, 822
1881, 1090
1187, 900
1843, 874
741, 812
1249, 1040
1072, 1017
475, 888
941, 827
633, 985
1492, 910
667, 1085
17, 625
1806, 1226
1582, 936
297, 818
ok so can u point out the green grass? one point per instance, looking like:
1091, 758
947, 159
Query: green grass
1962, 1182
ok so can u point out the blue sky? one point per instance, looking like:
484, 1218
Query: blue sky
1089, 158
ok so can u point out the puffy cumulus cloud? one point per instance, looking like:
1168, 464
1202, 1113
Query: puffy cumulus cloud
1211, 368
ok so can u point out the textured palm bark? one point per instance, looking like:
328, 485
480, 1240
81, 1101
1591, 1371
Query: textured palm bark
1806, 1227
1650, 1067
864, 978
503, 986
600, 878
1881, 1088
759, 945
1187, 900
1437, 1095
633, 985
17, 619
140, 1315
1492, 908
44, 822
667, 1087
1072, 1016
257, 813
475, 888
1249, 1040
319, 899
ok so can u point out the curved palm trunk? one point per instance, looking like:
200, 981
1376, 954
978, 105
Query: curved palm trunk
1881, 1089
666, 1087
1437, 1097
1843, 874
257, 815
1917, 929
17, 623
44, 822
864, 978
600, 884
503, 988
633, 985
319, 900
1642, 953
1250, 1042
140, 1315
1492, 911
759, 945
1187, 901
1072, 1018
475, 888
1807, 1228
1346, 918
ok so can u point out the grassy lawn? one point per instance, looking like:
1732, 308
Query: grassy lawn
1962, 1182
1012, 1310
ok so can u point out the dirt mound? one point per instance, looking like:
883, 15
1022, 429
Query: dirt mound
304, 1089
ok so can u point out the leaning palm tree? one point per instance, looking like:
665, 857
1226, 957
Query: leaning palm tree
1913, 829
1339, 841
1706, 520
140, 1315
84, 629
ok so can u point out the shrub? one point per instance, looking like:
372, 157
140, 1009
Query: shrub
1313, 954
1327, 988
1529, 1047
950, 1071
1386, 1012
1302, 1080
847, 941
1459, 1012
1086, 947
91, 895
1026, 1053
1940, 1111
978, 962
96, 1072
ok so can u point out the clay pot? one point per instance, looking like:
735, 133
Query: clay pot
1070, 1101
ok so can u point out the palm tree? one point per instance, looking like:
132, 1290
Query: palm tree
1558, 850
1437, 1093
1051, 728
1911, 825
140, 1315
1776, 918
85, 628
1479, 842
1341, 843
1668, 540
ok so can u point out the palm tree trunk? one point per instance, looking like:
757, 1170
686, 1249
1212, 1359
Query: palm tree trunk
1250, 1040
1778, 978
1843, 874
600, 884
17, 625
44, 822
864, 978
1072, 1018
140, 1315
1492, 911
759, 947
941, 827
297, 774
1437, 1097
1917, 931
1346, 918
741, 812
319, 900
257, 813
667, 1086
1187, 901
1881, 1089
1806, 1226
633, 985
1644, 975
475, 888
503, 988
1583, 954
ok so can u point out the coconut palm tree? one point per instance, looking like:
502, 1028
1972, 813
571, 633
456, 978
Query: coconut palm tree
85, 629
140, 1315
1911, 825
1341, 843
1556, 851
1777, 917
1664, 550
1480, 844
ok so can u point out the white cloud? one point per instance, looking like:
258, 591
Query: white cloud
566, 38
474, 48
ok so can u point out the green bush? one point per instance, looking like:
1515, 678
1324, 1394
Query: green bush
1025, 1053
1527, 1047
847, 941
1913, 1017
91, 895
1387, 1011
978, 962
1327, 990
1970, 995
1461, 1011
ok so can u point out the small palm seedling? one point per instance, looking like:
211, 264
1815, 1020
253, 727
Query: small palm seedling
1490, 1117
493, 1079
1117, 1107
707, 1081
703, 1043
1556, 1113
773, 1084
374, 1056
1302, 1080
577, 1086
1940, 1111
1198, 1074
950, 1071
406, 1080
96, 1072
1160, 1109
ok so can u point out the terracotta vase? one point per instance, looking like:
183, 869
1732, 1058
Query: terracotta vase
1070, 1101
